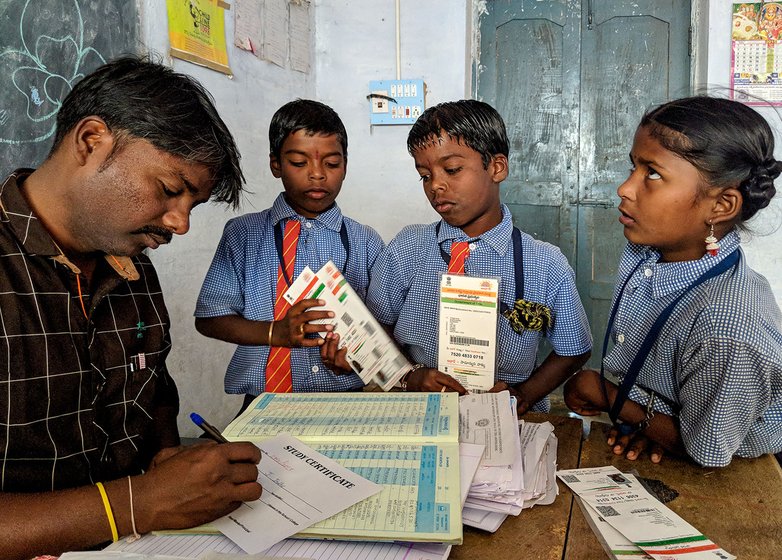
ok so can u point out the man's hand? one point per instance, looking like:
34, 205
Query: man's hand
193, 485
292, 330
432, 380
184, 487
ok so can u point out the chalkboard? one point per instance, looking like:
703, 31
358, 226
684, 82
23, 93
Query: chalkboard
46, 47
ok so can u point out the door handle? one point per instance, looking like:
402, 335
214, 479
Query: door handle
589, 15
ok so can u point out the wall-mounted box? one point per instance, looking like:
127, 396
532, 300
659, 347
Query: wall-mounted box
395, 101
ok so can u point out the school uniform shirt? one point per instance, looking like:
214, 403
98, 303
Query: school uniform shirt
243, 277
717, 363
404, 293
77, 404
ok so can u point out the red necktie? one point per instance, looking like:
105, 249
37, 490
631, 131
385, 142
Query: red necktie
460, 250
278, 366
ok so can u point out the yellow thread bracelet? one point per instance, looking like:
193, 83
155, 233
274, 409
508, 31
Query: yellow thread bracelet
109, 513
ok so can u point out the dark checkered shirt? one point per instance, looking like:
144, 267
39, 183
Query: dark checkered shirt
80, 400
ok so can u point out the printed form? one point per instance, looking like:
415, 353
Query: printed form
467, 333
485, 418
300, 487
406, 442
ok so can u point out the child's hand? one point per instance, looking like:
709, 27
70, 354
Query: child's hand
522, 406
334, 357
584, 393
432, 380
292, 330
634, 445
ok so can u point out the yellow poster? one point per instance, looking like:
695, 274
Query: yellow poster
196, 30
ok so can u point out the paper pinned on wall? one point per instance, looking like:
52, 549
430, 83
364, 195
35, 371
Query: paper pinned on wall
247, 25
275, 31
299, 34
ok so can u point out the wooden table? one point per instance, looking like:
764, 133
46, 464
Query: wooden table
738, 507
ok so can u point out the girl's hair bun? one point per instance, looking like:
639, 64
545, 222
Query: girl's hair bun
758, 188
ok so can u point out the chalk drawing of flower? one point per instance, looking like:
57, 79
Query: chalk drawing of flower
46, 62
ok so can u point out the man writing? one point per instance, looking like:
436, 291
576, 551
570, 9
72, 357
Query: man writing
87, 407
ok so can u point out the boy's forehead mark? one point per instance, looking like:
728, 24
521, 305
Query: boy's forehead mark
335, 153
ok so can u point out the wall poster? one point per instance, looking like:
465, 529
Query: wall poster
196, 30
756, 53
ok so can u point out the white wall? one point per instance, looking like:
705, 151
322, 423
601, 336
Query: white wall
354, 43
763, 250
246, 102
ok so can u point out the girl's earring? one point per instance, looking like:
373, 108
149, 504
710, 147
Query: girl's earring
712, 246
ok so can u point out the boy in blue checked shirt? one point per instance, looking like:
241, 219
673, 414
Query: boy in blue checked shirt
461, 152
279, 349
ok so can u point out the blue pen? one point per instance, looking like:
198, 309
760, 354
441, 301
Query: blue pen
208, 429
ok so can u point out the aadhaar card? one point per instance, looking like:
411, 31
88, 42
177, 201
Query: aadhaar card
467, 333
371, 352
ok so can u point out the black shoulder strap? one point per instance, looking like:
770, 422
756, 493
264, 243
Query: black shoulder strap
343, 235
278, 245
518, 263
651, 337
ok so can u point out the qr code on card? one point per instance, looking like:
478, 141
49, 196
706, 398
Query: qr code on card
606, 511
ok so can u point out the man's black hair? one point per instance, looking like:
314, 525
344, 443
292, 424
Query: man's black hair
139, 98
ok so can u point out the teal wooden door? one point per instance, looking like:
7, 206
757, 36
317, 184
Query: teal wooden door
572, 78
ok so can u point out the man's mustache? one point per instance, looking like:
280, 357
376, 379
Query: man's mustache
159, 232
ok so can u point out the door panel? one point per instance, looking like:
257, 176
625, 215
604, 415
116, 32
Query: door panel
534, 186
532, 80
572, 79
629, 70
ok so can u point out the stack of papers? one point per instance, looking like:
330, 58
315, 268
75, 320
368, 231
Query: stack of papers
208, 547
630, 522
518, 466
405, 442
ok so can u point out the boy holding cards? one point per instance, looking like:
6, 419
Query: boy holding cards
461, 152
260, 254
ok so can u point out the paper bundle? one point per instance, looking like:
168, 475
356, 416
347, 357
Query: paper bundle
519, 463
630, 522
